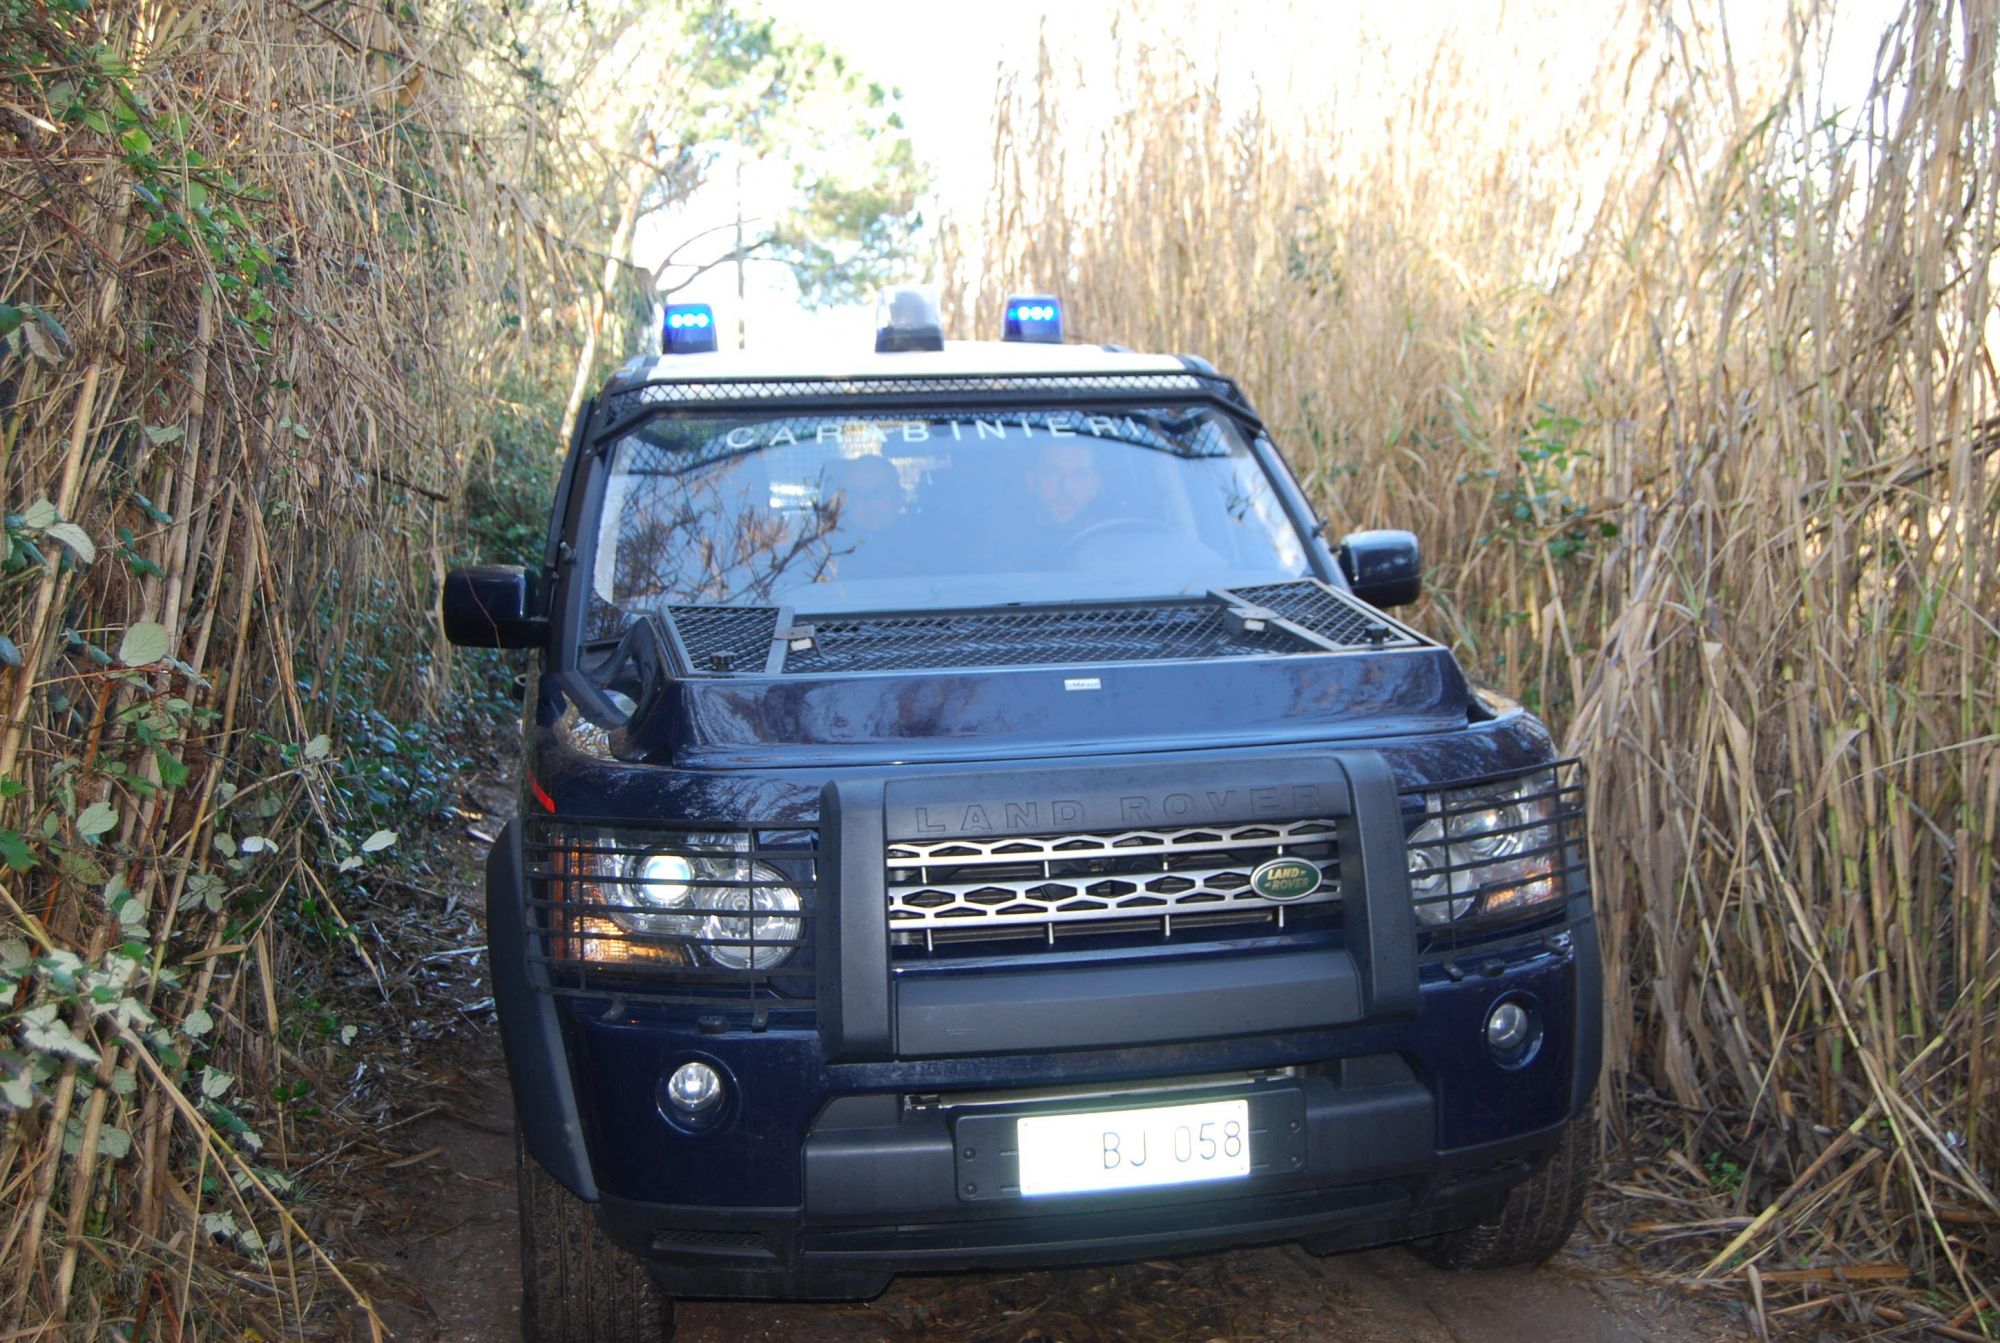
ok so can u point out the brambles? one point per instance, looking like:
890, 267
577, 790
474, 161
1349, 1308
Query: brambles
244, 242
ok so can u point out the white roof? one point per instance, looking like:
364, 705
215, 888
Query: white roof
958, 358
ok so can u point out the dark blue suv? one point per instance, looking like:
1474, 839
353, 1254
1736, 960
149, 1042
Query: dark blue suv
970, 818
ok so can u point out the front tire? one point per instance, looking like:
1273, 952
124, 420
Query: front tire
1538, 1217
576, 1285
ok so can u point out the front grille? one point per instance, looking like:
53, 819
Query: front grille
596, 928
1156, 882
1302, 616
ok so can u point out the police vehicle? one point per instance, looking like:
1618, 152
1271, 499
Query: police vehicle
971, 818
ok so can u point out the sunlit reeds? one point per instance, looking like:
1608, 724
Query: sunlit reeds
1687, 387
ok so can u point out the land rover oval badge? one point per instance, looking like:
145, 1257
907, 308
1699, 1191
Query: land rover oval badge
1285, 879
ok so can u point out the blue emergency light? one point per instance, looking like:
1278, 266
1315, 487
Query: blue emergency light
1035, 319
689, 329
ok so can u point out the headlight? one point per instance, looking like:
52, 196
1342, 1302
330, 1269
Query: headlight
1494, 848
713, 901
1431, 881
760, 941
659, 881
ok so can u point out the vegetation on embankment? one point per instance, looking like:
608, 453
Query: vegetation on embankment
284, 291
1685, 379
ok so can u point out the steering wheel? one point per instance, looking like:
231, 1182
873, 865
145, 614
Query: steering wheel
1096, 531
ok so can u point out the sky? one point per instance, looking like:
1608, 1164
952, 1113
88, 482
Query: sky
945, 57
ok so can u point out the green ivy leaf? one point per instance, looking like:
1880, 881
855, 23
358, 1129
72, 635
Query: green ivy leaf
75, 538
15, 851
144, 644
44, 1030
80, 867
17, 1083
173, 774
95, 819
378, 841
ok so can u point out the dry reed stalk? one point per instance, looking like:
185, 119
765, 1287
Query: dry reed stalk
1687, 385
266, 250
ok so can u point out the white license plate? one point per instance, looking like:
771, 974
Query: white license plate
1134, 1149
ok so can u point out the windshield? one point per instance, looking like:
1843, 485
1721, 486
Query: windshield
856, 512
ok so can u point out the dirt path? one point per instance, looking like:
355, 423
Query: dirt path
464, 1266
454, 1250
462, 1261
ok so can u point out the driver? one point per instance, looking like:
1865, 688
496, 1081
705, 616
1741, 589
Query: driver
1063, 483
868, 491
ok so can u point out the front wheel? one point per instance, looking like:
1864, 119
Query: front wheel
1538, 1216
576, 1285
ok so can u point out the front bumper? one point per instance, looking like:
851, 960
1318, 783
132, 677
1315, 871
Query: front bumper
870, 1140
783, 1254
1359, 1137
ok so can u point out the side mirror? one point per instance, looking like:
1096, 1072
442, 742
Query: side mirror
492, 606
1385, 568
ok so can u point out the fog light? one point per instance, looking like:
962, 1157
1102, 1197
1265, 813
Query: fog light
1505, 1029
694, 1088
1512, 1033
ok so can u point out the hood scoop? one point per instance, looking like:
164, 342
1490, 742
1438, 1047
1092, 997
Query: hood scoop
1299, 617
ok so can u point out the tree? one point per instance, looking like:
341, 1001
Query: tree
654, 96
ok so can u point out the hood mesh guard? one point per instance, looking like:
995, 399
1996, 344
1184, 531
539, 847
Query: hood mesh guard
1303, 616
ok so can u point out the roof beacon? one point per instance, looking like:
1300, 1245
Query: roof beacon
689, 329
1035, 319
907, 319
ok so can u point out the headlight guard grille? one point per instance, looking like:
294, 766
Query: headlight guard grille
1496, 851
597, 927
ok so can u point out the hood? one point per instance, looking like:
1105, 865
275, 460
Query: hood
1011, 713
1298, 661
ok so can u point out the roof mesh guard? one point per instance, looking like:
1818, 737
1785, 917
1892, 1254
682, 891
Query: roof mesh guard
1304, 616
620, 406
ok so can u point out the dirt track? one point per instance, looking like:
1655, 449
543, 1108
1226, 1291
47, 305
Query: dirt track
464, 1264
451, 1264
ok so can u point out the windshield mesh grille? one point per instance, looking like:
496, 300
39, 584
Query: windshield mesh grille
1332, 615
1028, 638
1305, 616
725, 638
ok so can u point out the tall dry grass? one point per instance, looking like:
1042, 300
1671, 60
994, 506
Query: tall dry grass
1686, 383
257, 266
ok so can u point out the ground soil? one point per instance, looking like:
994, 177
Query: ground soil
446, 1258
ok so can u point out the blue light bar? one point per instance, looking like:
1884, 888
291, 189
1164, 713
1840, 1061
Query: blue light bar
1034, 318
689, 329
